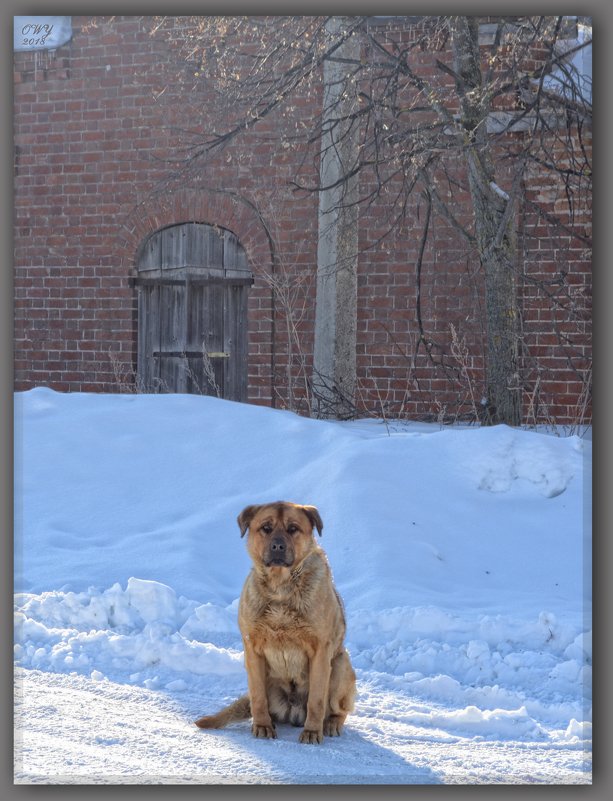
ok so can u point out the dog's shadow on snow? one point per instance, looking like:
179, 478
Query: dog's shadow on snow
348, 759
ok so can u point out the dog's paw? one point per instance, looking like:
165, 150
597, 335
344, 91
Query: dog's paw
311, 736
265, 732
333, 725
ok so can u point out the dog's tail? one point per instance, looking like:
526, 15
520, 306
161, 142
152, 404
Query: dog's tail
238, 710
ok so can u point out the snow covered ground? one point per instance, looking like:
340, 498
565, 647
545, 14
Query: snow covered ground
462, 555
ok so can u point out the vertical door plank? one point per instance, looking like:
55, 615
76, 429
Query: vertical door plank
197, 340
173, 329
197, 245
215, 249
216, 339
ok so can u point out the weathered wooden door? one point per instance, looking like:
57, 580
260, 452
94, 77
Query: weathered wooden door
193, 284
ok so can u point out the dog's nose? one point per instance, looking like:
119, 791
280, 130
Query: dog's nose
277, 545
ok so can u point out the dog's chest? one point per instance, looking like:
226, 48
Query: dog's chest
286, 662
284, 639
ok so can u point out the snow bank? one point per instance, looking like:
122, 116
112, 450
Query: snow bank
136, 634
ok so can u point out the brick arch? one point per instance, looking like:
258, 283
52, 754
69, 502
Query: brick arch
214, 207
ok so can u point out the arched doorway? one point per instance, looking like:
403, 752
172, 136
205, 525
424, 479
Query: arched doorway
193, 284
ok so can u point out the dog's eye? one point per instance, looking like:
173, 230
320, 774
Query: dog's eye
292, 529
267, 528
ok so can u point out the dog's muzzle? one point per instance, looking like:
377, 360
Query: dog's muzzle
278, 553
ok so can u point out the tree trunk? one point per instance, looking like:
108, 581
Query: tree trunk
494, 230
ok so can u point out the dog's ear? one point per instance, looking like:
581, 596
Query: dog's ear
245, 518
312, 513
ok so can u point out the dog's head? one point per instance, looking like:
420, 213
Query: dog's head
281, 533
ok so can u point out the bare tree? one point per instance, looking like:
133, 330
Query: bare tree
493, 223
482, 121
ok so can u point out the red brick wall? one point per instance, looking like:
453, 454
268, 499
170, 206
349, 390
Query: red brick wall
95, 125
556, 293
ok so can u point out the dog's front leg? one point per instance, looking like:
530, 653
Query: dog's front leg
319, 684
255, 664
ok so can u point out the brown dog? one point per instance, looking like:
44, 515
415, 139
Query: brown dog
292, 623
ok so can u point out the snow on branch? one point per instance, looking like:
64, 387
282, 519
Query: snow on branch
500, 192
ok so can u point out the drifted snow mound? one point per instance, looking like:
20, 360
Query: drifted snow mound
545, 462
109, 487
125, 633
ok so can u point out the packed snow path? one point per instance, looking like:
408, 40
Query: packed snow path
76, 730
